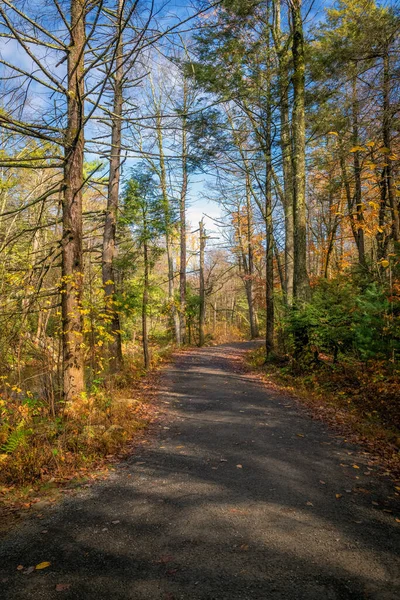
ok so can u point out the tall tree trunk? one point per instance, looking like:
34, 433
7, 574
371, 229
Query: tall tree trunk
387, 142
300, 282
72, 262
270, 315
145, 301
110, 226
286, 149
202, 307
357, 179
168, 230
254, 333
182, 218
269, 258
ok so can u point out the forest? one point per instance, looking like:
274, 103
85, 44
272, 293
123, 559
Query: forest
124, 123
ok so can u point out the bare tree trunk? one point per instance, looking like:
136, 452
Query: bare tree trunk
202, 308
357, 180
145, 301
110, 226
72, 263
254, 333
387, 142
269, 231
270, 314
182, 218
168, 227
300, 282
286, 149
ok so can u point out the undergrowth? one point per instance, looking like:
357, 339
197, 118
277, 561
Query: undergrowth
40, 442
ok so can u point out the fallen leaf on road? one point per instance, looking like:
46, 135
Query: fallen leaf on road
323, 482
43, 565
61, 587
300, 434
239, 466
309, 503
164, 560
244, 547
337, 496
115, 522
356, 467
20, 567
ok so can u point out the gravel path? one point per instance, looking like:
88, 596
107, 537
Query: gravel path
237, 498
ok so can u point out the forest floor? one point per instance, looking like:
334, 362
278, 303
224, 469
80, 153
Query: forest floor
238, 494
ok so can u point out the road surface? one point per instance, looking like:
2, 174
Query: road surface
240, 495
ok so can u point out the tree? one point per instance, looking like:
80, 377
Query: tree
300, 280
144, 212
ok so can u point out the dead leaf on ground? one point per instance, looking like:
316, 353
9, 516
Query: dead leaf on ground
115, 522
356, 467
43, 565
309, 503
20, 567
164, 560
244, 547
239, 466
61, 587
300, 434
337, 496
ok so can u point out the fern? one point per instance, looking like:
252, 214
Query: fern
15, 438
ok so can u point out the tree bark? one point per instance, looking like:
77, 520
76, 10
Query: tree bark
110, 226
286, 150
387, 142
357, 180
145, 301
72, 262
300, 281
168, 229
182, 219
202, 307
269, 258
254, 333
